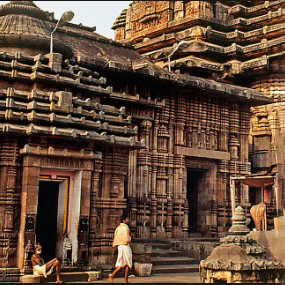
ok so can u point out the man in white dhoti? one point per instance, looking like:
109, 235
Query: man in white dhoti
122, 239
44, 269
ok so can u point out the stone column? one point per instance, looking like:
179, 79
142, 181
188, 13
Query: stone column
94, 228
178, 10
9, 198
29, 205
83, 235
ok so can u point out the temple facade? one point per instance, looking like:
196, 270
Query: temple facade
98, 127
237, 42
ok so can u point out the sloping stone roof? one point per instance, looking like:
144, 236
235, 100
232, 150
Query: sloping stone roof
90, 48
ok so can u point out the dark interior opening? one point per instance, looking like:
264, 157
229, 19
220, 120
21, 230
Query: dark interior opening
192, 196
46, 224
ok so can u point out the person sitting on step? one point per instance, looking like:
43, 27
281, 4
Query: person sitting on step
40, 268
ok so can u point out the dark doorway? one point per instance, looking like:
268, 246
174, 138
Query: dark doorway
46, 225
192, 196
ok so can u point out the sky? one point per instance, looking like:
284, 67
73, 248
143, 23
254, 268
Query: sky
101, 14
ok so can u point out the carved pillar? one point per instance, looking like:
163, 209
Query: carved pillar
203, 8
223, 135
132, 189
94, 228
178, 10
9, 194
84, 222
244, 146
178, 196
222, 196
180, 121
153, 203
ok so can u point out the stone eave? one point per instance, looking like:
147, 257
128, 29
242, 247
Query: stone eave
249, 3
189, 62
33, 130
233, 49
223, 89
254, 35
158, 73
94, 37
176, 25
259, 20
215, 36
239, 9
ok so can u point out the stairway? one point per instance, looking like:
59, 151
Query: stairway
167, 260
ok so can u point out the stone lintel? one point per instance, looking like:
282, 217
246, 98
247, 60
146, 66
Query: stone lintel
202, 153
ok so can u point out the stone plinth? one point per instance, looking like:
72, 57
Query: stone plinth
141, 253
93, 275
240, 259
143, 269
30, 279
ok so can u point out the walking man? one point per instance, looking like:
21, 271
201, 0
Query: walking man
122, 239
40, 268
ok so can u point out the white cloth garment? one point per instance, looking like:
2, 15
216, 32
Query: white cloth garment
124, 256
42, 270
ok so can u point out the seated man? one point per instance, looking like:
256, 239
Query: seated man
40, 268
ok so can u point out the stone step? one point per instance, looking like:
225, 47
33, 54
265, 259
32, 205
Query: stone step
173, 261
166, 253
175, 268
67, 277
147, 241
158, 245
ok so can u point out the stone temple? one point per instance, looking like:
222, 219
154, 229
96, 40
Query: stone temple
98, 127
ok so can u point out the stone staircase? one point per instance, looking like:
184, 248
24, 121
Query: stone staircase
167, 260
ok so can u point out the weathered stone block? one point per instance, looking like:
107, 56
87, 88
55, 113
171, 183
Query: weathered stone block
143, 269
30, 279
141, 252
94, 275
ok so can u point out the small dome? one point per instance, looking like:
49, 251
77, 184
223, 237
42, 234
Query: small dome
27, 8
23, 24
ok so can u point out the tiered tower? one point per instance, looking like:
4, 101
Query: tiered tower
239, 42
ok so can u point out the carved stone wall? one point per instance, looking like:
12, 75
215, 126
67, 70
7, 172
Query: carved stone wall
196, 132
10, 191
132, 129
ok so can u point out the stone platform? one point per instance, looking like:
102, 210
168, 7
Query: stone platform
159, 278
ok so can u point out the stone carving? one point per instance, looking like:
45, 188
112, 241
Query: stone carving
239, 258
67, 251
57, 111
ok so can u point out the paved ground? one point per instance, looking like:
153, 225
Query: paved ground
159, 278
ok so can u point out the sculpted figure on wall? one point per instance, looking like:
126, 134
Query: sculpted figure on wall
203, 8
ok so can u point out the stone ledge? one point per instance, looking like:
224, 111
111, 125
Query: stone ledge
30, 279
203, 153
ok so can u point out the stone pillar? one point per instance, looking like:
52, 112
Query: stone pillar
10, 206
55, 61
222, 197
83, 235
94, 227
180, 121
153, 202
178, 10
29, 205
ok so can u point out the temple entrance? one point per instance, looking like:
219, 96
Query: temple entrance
46, 224
193, 177
58, 214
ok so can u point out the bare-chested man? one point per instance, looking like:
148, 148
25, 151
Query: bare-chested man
40, 268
